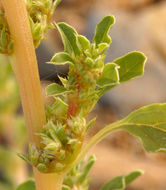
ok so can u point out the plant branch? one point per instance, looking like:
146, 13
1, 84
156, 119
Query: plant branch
94, 140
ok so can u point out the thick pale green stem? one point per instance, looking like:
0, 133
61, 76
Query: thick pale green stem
48, 181
25, 67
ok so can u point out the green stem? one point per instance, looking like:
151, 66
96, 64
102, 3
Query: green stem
94, 140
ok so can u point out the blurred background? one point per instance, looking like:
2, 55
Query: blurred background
140, 25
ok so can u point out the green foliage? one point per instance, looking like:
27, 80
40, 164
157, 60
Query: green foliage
120, 182
109, 76
88, 78
78, 176
69, 38
130, 66
62, 59
147, 123
102, 29
58, 108
28, 185
125, 68
55, 90
40, 14
83, 42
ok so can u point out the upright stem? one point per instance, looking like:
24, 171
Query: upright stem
48, 181
25, 67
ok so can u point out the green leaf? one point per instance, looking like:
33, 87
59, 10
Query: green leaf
60, 134
61, 58
65, 187
102, 47
63, 80
77, 177
147, 124
56, 3
28, 185
120, 182
87, 169
132, 176
102, 29
110, 75
84, 42
89, 62
69, 38
23, 157
4, 38
55, 89
131, 65
91, 122
59, 108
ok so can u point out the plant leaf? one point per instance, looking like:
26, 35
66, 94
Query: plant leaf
63, 80
132, 176
120, 182
59, 108
87, 169
56, 3
91, 122
147, 124
23, 157
61, 58
28, 185
65, 187
55, 89
131, 65
69, 38
102, 29
84, 42
110, 75
102, 47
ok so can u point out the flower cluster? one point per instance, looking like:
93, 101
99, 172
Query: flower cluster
88, 79
40, 14
63, 135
